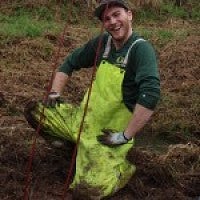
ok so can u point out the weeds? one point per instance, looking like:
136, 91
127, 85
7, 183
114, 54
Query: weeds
167, 24
25, 26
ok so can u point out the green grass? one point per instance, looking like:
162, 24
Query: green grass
23, 21
145, 14
169, 10
41, 12
161, 34
174, 11
165, 35
25, 26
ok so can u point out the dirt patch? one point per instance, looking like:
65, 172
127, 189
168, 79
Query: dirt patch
179, 69
180, 64
24, 75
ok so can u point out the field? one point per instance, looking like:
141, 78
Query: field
167, 151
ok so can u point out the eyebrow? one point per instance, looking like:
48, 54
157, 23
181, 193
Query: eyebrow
115, 12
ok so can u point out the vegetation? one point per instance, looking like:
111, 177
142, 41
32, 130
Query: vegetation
161, 22
35, 34
32, 19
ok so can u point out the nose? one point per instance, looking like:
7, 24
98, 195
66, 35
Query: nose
112, 20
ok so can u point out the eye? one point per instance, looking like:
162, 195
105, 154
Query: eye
106, 19
116, 14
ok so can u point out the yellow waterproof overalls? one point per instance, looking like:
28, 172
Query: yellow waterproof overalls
98, 167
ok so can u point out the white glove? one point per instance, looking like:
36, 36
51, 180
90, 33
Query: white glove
53, 99
112, 138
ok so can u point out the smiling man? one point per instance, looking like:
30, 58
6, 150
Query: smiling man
123, 98
124, 49
117, 19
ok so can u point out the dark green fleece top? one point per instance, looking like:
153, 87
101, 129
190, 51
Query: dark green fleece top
141, 82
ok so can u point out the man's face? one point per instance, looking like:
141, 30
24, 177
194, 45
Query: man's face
117, 21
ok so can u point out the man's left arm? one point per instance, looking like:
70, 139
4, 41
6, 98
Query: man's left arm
148, 81
138, 120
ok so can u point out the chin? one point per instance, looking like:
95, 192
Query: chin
118, 38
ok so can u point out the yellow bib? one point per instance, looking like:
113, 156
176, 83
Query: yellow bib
98, 167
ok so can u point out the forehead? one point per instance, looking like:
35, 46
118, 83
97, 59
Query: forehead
110, 10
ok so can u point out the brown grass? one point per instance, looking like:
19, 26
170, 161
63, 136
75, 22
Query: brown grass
171, 174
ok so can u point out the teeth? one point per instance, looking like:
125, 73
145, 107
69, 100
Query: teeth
116, 29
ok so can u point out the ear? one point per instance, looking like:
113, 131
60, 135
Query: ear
130, 15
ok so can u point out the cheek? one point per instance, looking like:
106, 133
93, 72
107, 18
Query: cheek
105, 25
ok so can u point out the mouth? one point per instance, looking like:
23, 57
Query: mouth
116, 29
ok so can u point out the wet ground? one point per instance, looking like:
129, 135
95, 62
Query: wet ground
168, 165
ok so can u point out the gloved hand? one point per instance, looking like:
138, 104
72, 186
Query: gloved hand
111, 138
53, 99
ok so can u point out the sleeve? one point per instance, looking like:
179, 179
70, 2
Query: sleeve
147, 76
83, 57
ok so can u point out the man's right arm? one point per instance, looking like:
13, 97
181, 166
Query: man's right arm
79, 58
59, 82
83, 57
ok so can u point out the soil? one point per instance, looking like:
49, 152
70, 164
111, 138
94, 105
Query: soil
26, 67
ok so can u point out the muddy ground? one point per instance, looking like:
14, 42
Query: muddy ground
166, 153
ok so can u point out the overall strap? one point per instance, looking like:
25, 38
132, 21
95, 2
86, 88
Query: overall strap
126, 58
108, 47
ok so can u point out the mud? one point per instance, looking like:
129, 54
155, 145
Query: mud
26, 66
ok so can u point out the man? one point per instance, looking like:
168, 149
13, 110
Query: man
141, 85
123, 98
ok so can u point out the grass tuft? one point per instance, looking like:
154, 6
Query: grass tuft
25, 26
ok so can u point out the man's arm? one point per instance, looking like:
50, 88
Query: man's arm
82, 57
59, 82
139, 119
